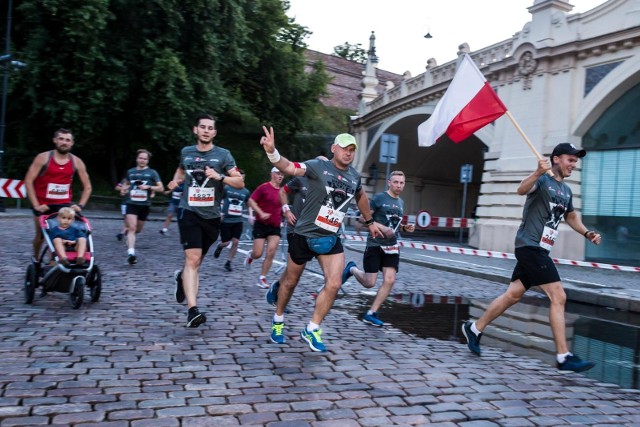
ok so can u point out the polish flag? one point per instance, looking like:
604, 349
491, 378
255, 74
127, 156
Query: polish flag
469, 104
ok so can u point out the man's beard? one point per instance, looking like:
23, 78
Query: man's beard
63, 150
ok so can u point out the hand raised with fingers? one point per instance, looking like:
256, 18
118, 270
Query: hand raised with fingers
268, 141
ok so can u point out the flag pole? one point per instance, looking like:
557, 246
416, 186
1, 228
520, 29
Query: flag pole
513, 120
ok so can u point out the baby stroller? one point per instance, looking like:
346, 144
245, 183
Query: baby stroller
54, 276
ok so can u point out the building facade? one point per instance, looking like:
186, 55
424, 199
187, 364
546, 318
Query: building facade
564, 78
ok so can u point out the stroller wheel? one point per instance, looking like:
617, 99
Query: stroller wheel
94, 283
76, 293
30, 284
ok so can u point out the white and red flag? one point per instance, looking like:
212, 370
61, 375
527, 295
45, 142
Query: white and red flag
469, 104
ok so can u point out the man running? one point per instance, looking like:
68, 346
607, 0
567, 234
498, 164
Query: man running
234, 202
331, 186
205, 169
49, 179
549, 200
138, 187
265, 203
382, 254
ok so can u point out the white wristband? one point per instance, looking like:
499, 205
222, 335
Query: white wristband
285, 208
274, 157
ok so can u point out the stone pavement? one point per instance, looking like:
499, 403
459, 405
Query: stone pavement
128, 360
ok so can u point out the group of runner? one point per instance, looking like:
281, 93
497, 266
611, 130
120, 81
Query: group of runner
207, 174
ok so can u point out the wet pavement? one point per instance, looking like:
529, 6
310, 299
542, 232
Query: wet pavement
128, 360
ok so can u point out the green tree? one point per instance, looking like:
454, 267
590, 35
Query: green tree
125, 74
352, 52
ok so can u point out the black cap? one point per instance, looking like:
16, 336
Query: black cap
566, 148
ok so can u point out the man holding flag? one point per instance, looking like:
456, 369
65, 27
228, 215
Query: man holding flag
468, 105
549, 200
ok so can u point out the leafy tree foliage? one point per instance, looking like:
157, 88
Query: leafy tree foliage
127, 74
352, 52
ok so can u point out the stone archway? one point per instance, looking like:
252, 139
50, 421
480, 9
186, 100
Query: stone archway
433, 173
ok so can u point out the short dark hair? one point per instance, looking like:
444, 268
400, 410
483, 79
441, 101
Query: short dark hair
203, 116
62, 130
142, 150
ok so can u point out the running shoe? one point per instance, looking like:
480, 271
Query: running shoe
195, 318
313, 339
227, 266
575, 364
272, 294
131, 259
372, 319
248, 260
473, 340
346, 273
120, 236
216, 253
262, 282
164, 232
177, 279
277, 335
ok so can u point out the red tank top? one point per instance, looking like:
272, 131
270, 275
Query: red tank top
53, 185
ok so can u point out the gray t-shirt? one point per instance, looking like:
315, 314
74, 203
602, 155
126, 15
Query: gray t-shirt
329, 192
545, 207
387, 210
138, 177
202, 195
234, 203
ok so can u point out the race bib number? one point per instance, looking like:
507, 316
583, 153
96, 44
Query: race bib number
235, 210
390, 250
549, 236
138, 195
58, 191
201, 196
329, 219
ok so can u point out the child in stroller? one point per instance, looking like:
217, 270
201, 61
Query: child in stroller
64, 236
66, 263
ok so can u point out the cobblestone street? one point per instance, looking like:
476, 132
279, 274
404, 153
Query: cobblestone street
129, 360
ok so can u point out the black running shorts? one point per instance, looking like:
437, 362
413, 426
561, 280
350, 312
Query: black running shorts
300, 253
534, 267
262, 231
230, 230
374, 259
197, 232
142, 212
52, 209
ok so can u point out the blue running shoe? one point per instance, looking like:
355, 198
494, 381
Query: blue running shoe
575, 364
473, 340
346, 273
372, 319
277, 335
272, 294
313, 339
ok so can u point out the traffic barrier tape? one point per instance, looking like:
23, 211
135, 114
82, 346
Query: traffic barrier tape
502, 255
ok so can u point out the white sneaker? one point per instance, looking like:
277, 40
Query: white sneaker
262, 283
248, 260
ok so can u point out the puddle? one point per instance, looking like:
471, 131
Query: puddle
609, 337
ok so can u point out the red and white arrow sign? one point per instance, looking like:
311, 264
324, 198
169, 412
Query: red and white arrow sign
13, 188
